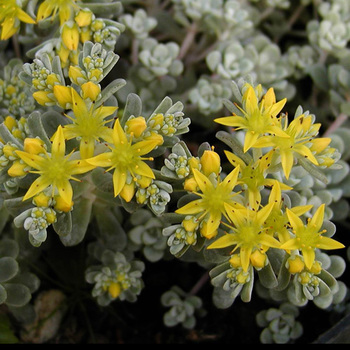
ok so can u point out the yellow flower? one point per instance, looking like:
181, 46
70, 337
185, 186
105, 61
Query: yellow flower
277, 222
308, 237
300, 132
258, 118
65, 8
11, 15
211, 205
54, 169
248, 234
88, 124
253, 176
126, 160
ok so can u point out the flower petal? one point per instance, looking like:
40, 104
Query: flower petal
119, 180
294, 220
37, 186
102, 160
58, 148
65, 191
203, 182
225, 241
143, 169
193, 207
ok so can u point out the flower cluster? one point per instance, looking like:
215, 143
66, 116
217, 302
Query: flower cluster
145, 136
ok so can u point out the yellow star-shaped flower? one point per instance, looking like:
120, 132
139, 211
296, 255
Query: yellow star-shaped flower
11, 15
253, 177
249, 233
65, 9
126, 158
54, 169
258, 118
300, 131
309, 237
88, 123
211, 204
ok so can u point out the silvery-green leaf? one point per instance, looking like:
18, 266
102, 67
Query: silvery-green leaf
8, 269
63, 225
110, 90
3, 294
267, 277
9, 248
17, 294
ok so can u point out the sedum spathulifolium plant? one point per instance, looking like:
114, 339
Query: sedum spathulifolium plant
148, 135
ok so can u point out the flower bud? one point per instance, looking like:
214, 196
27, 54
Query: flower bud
114, 290
33, 145
136, 126
210, 162
295, 264
258, 259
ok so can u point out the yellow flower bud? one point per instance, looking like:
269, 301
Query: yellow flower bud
114, 290
62, 205
33, 145
136, 126
295, 264
190, 223
127, 192
85, 35
305, 278
190, 239
52, 80
70, 36
63, 95
41, 200
9, 151
83, 17
10, 122
242, 277
235, 261
42, 97
194, 163
50, 216
190, 184
90, 90
75, 73
17, 169
63, 54
258, 259
316, 268
210, 162
95, 74
144, 181
205, 233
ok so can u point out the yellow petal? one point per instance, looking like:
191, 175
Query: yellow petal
119, 180
119, 136
24, 17
65, 191
234, 159
193, 207
223, 242
58, 148
294, 220
37, 186
32, 160
102, 160
203, 182
144, 170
